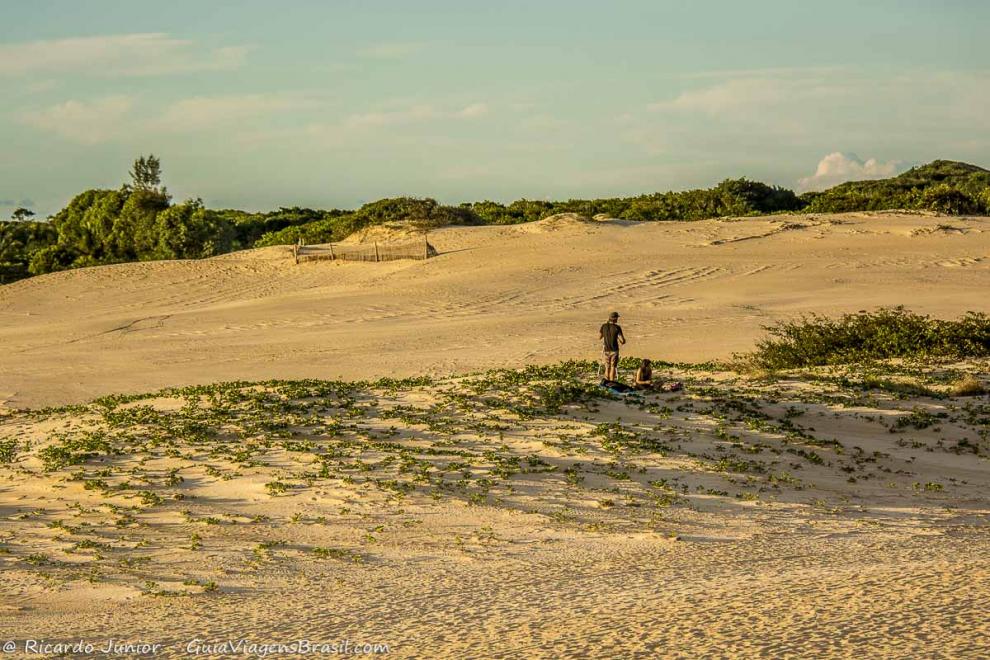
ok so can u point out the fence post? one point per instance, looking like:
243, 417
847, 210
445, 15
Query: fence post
426, 245
331, 251
295, 253
376, 252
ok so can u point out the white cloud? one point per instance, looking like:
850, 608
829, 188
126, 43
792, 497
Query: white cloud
390, 51
803, 96
201, 112
117, 117
761, 116
363, 129
766, 72
544, 122
417, 113
468, 172
140, 54
838, 167
751, 97
472, 111
87, 122
723, 97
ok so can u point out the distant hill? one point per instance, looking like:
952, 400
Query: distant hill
943, 185
140, 223
970, 178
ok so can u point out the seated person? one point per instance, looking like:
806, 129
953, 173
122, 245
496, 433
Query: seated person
644, 380
644, 376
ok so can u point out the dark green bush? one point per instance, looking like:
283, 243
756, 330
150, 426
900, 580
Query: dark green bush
250, 227
189, 231
421, 213
943, 198
733, 197
886, 333
18, 241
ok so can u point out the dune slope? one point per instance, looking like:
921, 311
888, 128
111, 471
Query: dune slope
508, 515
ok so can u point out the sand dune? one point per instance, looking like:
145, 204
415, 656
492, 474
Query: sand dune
496, 296
498, 514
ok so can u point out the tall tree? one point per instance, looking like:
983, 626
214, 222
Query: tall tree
21, 213
147, 173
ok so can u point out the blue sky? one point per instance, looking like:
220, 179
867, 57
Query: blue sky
330, 104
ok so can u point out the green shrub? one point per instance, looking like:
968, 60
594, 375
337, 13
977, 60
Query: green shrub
8, 451
250, 227
983, 201
337, 225
189, 231
50, 259
18, 241
943, 198
882, 334
943, 185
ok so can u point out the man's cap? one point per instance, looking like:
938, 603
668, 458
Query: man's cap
613, 316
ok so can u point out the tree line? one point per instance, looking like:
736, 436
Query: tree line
139, 221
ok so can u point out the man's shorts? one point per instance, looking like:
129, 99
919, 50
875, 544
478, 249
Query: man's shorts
611, 359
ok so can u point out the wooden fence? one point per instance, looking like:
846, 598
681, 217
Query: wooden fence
364, 251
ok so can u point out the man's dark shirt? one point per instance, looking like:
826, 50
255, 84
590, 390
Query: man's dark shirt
610, 334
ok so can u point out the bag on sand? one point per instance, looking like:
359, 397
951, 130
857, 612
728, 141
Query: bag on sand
615, 387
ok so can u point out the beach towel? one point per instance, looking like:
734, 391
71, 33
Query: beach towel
615, 387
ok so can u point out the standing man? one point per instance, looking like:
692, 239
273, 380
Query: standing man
611, 336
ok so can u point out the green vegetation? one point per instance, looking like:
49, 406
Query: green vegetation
8, 451
336, 225
139, 222
20, 240
967, 385
737, 197
883, 334
130, 224
363, 460
943, 185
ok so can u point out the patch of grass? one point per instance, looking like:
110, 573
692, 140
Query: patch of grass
967, 385
74, 450
8, 451
276, 488
336, 553
918, 420
208, 586
907, 388
89, 544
